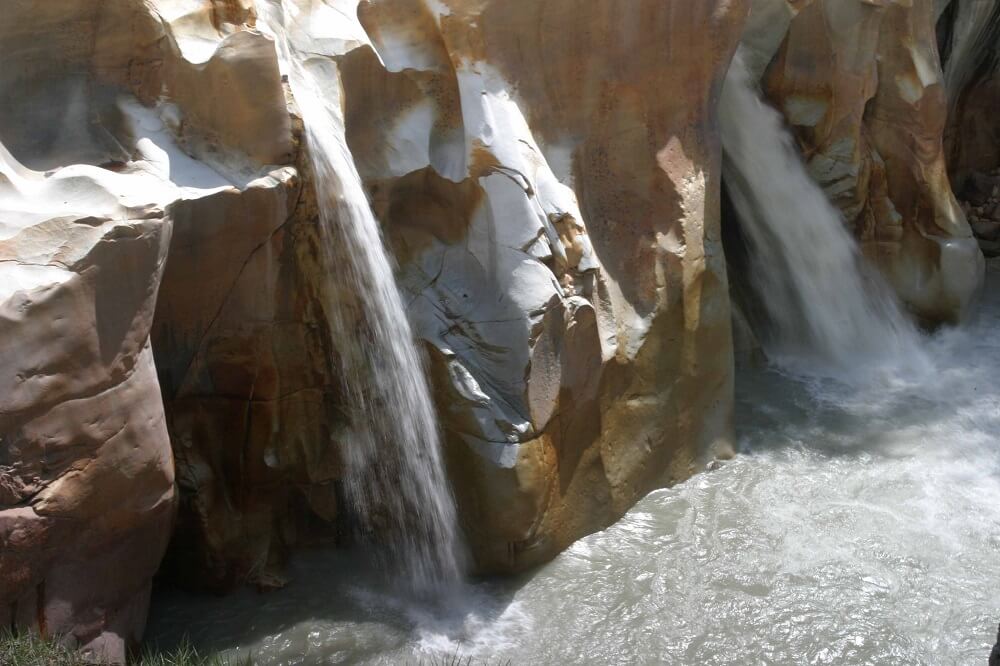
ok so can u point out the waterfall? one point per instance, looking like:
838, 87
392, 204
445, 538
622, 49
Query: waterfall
827, 311
973, 30
394, 476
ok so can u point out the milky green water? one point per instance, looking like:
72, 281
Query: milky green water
859, 525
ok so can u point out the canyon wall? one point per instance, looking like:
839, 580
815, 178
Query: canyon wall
547, 177
143, 199
86, 472
969, 42
861, 86
552, 203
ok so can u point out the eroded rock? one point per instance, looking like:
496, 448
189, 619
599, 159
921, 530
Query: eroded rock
553, 203
116, 139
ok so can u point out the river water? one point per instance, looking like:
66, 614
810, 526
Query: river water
859, 525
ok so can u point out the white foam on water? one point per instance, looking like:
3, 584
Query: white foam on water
859, 525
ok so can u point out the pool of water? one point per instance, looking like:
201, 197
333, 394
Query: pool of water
859, 525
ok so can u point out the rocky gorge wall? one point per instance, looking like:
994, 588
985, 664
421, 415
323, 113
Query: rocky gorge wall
136, 207
547, 176
554, 210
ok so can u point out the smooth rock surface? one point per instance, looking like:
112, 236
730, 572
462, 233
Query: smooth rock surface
113, 143
553, 204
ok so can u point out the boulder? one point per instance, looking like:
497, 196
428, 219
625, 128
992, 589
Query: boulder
86, 471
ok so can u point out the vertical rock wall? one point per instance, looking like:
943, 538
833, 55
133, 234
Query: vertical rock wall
143, 194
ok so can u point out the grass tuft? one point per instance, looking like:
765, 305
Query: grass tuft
456, 659
28, 649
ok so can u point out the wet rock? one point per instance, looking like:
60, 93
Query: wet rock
990, 248
554, 210
102, 182
553, 206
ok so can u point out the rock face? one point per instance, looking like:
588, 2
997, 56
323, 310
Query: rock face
969, 38
118, 158
86, 473
553, 204
547, 177
241, 347
861, 85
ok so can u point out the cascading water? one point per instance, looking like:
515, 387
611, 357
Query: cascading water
824, 306
394, 475
974, 28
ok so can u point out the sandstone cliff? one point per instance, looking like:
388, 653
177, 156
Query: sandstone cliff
111, 146
553, 206
547, 176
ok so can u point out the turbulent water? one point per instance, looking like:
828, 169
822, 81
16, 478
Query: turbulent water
823, 305
860, 525
394, 476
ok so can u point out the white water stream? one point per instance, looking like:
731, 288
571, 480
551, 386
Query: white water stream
828, 312
394, 476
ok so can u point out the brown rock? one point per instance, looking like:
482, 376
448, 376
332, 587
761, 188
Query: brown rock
87, 495
569, 281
